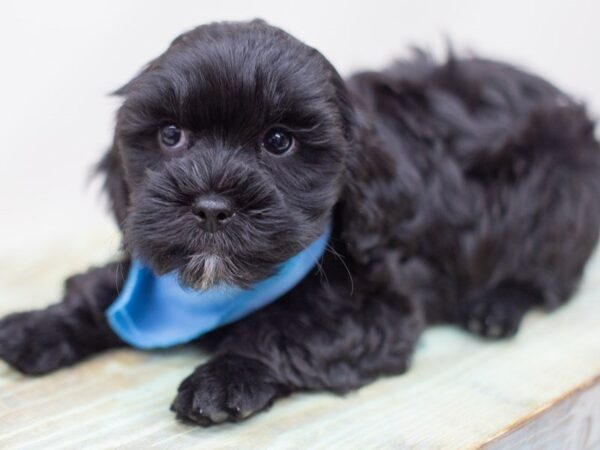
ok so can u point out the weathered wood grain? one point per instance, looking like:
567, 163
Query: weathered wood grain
461, 392
571, 423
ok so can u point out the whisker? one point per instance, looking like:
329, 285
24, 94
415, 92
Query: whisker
322, 271
118, 282
331, 250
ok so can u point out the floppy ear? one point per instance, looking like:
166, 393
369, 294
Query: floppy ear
373, 196
111, 168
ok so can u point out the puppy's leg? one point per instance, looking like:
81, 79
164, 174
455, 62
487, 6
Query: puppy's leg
327, 342
498, 313
38, 342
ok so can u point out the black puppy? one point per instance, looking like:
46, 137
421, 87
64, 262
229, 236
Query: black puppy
464, 192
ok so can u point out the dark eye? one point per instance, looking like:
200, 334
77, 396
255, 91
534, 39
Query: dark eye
278, 141
172, 137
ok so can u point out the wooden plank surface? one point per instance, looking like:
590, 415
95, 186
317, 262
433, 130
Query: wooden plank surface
460, 393
571, 423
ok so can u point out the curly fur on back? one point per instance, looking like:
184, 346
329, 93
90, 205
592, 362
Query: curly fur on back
494, 180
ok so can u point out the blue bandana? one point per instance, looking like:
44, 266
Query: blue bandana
157, 311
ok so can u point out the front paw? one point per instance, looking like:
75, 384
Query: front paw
34, 342
228, 388
492, 319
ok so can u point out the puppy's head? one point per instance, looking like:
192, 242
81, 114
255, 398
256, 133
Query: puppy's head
229, 153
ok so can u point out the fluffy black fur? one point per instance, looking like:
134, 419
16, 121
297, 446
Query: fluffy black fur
466, 191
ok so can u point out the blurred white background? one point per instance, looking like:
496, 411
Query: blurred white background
60, 59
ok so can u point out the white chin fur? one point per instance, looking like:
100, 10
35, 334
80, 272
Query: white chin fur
212, 267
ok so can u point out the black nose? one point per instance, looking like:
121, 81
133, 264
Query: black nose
213, 211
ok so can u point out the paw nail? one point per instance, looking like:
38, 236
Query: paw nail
244, 414
219, 416
474, 325
494, 331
